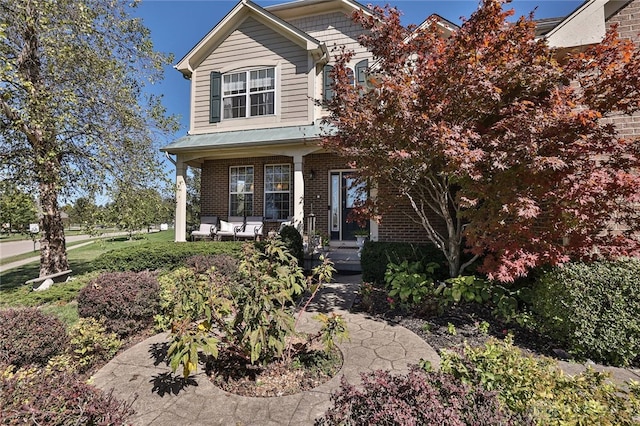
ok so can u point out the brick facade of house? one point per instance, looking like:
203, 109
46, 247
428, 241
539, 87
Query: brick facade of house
628, 21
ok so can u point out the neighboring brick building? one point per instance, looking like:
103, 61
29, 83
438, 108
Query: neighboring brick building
255, 126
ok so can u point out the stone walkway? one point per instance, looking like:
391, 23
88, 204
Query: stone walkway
162, 399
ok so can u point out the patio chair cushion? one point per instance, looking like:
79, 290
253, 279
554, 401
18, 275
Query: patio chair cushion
206, 230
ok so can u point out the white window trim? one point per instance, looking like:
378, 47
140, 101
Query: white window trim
290, 191
248, 93
252, 192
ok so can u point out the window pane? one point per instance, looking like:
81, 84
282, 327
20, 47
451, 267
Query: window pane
277, 191
277, 205
235, 107
235, 83
262, 104
262, 80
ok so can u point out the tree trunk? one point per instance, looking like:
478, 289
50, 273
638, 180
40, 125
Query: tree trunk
53, 252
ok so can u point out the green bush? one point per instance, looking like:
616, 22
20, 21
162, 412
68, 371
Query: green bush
293, 240
535, 386
594, 309
90, 343
124, 301
166, 256
28, 336
377, 255
252, 311
411, 283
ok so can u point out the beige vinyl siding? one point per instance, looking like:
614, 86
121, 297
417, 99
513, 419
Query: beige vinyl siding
335, 29
254, 44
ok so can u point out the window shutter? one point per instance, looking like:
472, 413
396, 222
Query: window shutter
361, 72
327, 83
216, 97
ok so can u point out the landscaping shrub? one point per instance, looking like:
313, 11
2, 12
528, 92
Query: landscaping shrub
252, 312
534, 385
124, 301
28, 336
293, 240
224, 263
166, 256
90, 343
411, 283
416, 398
594, 309
52, 397
59, 292
377, 255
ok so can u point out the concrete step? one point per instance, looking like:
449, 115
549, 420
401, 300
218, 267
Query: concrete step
345, 259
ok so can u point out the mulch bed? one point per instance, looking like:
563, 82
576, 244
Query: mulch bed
458, 325
302, 372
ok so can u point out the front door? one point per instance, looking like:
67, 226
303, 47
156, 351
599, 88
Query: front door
346, 194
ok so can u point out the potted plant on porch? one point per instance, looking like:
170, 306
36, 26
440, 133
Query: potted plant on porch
361, 236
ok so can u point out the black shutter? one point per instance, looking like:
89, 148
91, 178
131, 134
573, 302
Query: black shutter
216, 97
327, 82
361, 72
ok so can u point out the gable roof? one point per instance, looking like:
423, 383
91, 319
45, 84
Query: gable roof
585, 25
298, 8
232, 20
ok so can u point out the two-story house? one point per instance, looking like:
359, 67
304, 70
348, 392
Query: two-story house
255, 123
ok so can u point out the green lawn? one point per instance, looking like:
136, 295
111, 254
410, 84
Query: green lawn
12, 288
21, 236
60, 299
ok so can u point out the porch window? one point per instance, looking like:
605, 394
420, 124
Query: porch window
249, 93
277, 191
241, 191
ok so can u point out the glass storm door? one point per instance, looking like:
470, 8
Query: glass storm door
345, 194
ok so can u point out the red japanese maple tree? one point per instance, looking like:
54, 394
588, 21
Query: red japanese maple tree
497, 141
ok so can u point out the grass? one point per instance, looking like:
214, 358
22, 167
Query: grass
11, 259
59, 300
23, 236
79, 261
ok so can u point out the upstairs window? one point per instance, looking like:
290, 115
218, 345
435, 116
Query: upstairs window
356, 76
243, 94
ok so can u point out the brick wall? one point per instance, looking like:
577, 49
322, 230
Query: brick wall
215, 184
396, 224
628, 20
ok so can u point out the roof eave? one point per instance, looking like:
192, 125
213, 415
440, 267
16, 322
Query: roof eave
190, 61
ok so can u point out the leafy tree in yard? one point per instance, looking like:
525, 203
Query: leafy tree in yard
17, 208
193, 180
493, 141
86, 213
136, 208
73, 114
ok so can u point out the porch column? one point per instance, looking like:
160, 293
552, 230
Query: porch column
298, 192
181, 201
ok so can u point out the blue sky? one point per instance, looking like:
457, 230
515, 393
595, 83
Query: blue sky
176, 26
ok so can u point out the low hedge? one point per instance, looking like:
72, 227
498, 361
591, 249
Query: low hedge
376, 256
49, 397
594, 309
166, 256
533, 385
29, 336
416, 398
124, 301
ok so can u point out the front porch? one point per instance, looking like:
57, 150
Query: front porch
345, 255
